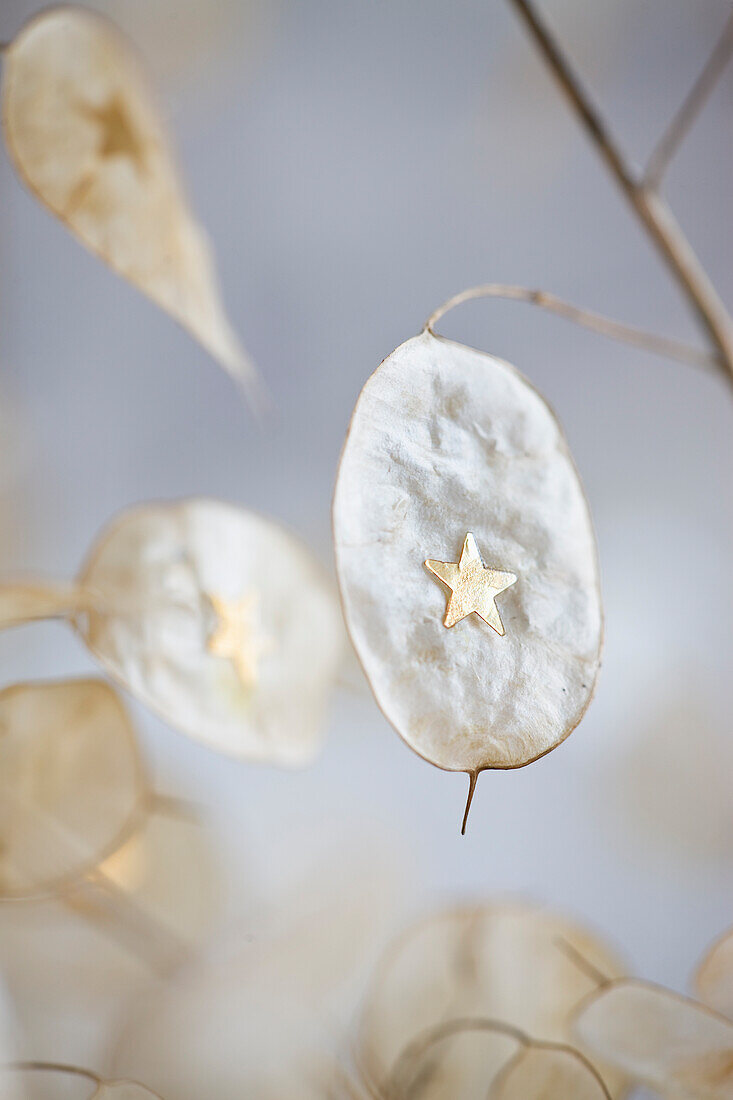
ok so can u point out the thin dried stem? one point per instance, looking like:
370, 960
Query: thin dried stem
650, 208
472, 777
648, 341
695, 100
54, 1067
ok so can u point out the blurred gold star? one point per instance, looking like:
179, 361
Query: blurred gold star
473, 586
236, 636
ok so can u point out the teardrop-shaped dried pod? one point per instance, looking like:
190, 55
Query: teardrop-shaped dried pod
86, 137
466, 559
714, 978
511, 961
548, 1072
72, 786
675, 1045
219, 621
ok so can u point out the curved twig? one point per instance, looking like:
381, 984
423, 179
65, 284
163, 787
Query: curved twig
53, 1067
648, 341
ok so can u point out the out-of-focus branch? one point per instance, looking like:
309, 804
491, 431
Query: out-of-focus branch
648, 341
650, 208
695, 100
53, 1067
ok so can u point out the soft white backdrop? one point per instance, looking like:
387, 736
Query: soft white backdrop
355, 164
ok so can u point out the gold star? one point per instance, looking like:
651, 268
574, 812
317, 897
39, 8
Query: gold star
119, 136
236, 636
473, 586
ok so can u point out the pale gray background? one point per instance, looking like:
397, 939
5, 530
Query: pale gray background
355, 164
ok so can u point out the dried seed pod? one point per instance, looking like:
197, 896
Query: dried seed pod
219, 621
547, 1072
714, 978
675, 1045
72, 783
86, 137
456, 484
510, 962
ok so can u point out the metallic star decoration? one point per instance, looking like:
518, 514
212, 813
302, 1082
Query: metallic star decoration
473, 586
236, 636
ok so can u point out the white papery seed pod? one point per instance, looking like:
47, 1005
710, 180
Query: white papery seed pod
451, 455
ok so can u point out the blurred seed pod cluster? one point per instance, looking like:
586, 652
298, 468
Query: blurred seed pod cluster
207, 614
222, 624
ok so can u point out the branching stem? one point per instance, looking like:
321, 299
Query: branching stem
651, 210
648, 341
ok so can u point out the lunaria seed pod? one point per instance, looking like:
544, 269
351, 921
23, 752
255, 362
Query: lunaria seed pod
72, 783
675, 1045
217, 619
85, 135
221, 622
466, 559
506, 961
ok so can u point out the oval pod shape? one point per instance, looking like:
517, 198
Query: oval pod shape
221, 622
508, 961
466, 559
72, 783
